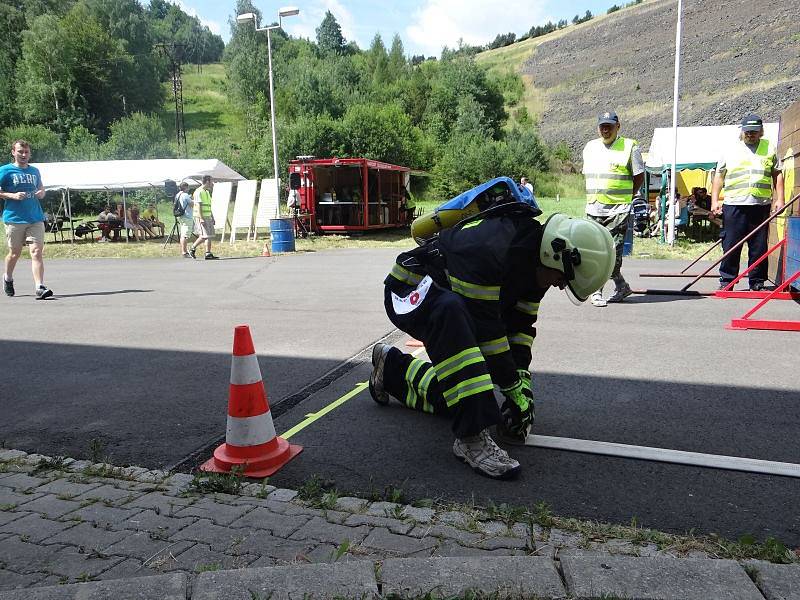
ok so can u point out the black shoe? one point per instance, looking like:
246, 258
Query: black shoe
43, 293
8, 287
723, 285
210, 256
376, 389
193, 253
757, 286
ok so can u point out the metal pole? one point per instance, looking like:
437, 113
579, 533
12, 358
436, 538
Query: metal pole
674, 174
273, 124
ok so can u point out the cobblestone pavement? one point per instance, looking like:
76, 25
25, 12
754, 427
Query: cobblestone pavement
64, 521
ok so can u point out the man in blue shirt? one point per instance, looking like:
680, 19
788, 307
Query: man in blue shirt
21, 188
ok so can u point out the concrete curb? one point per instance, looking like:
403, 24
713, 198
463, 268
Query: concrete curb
143, 536
589, 576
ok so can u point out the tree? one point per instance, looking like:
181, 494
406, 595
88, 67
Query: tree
397, 59
136, 137
378, 61
45, 144
127, 21
329, 35
100, 68
46, 88
12, 24
82, 144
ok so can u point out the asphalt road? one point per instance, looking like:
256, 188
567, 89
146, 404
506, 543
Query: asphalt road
131, 360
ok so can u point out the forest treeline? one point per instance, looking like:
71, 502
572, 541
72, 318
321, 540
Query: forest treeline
446, 117
80, 77
83, 80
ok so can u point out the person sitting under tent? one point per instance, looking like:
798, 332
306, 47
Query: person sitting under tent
150, 216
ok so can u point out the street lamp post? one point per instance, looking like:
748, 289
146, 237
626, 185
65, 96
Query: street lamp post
288, 11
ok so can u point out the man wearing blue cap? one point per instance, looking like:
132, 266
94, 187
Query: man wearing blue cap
748, 175
614, 172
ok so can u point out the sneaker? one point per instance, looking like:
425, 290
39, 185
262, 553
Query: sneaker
621, 293
193, 253
723, 285
376, 389
187, 255
210, 256
597, 300
43, 293
8, 287
485, 457
757, 286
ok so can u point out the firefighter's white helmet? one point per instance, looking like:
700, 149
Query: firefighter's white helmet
581, 249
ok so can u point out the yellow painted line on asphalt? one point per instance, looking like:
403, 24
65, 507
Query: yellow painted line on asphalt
311, 417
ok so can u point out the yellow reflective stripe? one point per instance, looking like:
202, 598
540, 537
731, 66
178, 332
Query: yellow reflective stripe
472, 224
493, 347
521, 339
529, 308
404, 275
447, 367
411, 372
467, 388
475, 291
424, 383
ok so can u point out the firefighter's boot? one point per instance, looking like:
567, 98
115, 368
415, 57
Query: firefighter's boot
376, 389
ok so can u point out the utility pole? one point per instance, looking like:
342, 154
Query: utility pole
174, 52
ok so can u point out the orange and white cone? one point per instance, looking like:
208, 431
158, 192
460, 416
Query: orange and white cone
250, 439
265, 249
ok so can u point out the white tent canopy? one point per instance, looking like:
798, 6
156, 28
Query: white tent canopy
698, 147
130, 174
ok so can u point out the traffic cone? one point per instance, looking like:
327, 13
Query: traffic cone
250, 439
265, 249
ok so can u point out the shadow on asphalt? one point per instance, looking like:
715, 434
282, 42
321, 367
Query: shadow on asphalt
155, 408
109, 293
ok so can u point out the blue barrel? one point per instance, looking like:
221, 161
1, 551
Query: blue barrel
627, 244
281, 232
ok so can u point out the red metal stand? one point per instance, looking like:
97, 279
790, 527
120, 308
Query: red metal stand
745, 322
729, 292
791, 273
684, 291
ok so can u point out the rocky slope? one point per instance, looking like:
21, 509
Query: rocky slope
737, 57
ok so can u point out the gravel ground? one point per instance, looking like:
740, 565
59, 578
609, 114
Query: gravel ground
737, 57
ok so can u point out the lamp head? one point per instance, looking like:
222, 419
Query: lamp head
245, 18
288, 11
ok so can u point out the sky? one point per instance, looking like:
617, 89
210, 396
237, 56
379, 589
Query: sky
425, 26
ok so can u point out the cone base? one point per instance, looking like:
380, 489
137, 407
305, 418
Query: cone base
255, 467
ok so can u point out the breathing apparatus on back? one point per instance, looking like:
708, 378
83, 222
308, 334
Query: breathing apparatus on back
494, 193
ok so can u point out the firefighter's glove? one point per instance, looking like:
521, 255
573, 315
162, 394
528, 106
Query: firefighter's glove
517, 408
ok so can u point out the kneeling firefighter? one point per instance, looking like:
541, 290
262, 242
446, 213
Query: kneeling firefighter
471, 294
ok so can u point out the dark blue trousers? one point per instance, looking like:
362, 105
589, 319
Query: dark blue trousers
738, 221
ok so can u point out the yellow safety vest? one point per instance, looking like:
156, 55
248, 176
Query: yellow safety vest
205, 202
609, 178
749, 173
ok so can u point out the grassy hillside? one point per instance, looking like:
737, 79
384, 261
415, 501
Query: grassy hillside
737, 57
214, 127
512, 59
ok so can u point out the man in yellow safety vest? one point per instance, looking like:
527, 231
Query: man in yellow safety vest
614, 171
749, 175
